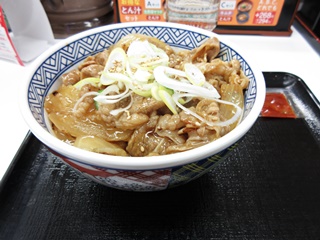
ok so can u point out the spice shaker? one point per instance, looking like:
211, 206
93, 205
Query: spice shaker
198, 13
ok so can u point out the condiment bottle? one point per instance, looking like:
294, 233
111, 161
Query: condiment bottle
198, 13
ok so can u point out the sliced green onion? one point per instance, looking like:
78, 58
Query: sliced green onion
155, 92
167, 99
141, 89
118, 77
115, 67
162, 74
111, 98
194, 75
91, 80
141, 75
119, 110
144, 70
106, 80
143, 54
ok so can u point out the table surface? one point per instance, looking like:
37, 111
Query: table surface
293, 54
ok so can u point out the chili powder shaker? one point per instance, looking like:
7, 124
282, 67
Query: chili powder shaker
198, 13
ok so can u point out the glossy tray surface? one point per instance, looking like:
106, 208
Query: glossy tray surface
268, 188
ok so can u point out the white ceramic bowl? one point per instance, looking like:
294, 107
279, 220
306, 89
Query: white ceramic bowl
134, 173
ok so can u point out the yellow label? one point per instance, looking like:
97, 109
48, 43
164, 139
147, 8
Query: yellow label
141, 10
250, 12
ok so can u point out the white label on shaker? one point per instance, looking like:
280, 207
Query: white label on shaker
193, 6
197, 13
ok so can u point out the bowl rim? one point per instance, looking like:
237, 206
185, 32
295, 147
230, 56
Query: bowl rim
148, 162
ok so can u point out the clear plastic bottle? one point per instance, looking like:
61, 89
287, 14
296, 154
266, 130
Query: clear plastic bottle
198, 13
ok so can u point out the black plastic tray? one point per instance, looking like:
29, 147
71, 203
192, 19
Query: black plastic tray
268, 188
